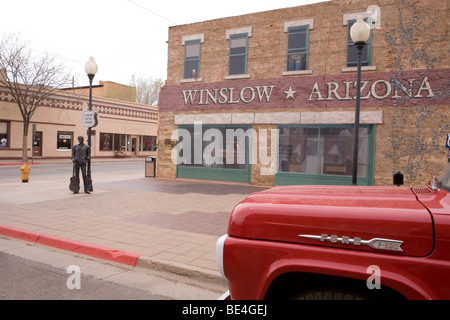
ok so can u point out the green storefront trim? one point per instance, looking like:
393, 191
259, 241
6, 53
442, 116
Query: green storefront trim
294, 178
231, 175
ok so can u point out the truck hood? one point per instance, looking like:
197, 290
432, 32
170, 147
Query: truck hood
377, 219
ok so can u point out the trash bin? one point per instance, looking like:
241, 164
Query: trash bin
150, 166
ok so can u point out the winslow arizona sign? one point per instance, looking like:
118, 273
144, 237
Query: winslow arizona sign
378, 88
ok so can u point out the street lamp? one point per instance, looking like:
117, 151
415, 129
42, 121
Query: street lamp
360, 33
91, 68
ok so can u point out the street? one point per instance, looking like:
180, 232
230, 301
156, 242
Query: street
33, 272
172, 225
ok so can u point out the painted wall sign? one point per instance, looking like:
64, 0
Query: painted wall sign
378, 89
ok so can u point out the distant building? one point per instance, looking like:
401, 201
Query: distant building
122, 125
108, 89
283, 83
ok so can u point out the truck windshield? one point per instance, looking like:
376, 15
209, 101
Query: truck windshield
444, 179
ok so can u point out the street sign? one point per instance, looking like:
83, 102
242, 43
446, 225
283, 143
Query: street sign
90, 119
448, 141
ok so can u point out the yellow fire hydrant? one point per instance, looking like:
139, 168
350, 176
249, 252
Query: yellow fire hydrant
25, 171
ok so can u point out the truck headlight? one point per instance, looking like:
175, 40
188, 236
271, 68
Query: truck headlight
219, 253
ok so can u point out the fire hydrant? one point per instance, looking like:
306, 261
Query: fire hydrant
25, 171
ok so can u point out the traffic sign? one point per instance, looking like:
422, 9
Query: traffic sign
90, 119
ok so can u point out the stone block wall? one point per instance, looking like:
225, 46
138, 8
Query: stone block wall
409, 44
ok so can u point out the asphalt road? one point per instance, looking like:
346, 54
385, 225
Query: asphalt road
29, 271
34, 272
24, 279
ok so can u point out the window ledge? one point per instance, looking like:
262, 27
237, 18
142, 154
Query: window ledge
237, 76
191, 80
297, 72
363, 68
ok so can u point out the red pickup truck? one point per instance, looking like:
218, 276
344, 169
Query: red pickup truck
329, 242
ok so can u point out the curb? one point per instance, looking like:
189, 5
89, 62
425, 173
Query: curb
19, 164
181, 270
106, 253
91, 250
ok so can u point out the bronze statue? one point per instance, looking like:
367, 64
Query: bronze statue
81, 154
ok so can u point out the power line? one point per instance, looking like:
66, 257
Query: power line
136, 4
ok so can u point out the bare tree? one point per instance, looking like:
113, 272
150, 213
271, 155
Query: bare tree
147, 90
30, 78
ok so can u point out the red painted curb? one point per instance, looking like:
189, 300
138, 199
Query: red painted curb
91, 250
18, 164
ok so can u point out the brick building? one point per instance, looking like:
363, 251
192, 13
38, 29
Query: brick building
269, 98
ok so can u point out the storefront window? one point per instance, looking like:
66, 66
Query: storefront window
321, 150
220, 148
121, 142
64, 141
4, 134
116, 142
106, 143
147, 143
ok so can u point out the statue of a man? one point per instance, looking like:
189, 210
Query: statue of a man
81, 154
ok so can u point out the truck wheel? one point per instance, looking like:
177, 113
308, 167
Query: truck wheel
329, 294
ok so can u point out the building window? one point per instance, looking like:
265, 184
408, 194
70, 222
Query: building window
116, 142
4, 137
147, 143
238, 54
221, 147
352, 52
64, 140
192, 59
297, 54
322, 150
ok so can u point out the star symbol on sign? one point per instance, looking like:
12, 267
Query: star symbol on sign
290, 93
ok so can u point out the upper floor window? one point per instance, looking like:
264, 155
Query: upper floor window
192, 48
238, 54
352, 54
297, 54
192, 59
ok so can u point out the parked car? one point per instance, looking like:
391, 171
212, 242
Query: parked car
330, 242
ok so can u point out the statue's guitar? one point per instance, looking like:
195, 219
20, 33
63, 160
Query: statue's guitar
74, 182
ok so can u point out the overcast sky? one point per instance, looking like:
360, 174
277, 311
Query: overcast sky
125, 37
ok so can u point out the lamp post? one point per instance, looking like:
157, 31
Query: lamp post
91, 68
360, 33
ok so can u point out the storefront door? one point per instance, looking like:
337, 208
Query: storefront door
133, 147
37, 144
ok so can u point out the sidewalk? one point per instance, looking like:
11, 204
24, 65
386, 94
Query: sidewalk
147, 222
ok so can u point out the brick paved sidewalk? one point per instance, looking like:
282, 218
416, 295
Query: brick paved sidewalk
172, 224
